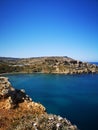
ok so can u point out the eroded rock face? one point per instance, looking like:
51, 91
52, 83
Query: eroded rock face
19, 112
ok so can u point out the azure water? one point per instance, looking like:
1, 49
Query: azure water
72, 96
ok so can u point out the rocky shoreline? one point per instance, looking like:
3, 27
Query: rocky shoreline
19, 112
53, 65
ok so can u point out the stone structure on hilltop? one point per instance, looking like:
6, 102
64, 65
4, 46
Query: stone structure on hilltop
19, 112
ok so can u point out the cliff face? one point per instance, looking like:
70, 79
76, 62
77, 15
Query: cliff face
19, 112
61, 65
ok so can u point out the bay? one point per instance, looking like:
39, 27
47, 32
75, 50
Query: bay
72, 96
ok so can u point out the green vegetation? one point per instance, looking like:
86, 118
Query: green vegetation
5, 68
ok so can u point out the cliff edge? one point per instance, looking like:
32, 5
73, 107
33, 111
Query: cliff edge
19, 112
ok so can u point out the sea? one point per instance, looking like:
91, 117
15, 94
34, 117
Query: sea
74, 97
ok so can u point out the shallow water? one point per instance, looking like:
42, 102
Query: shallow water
72, 96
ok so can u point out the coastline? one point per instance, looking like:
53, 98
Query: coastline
11, 73
47, 65
20, 111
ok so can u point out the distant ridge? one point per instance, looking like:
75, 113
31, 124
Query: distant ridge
4, 57
9, 58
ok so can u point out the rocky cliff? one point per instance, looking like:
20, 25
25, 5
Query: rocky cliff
19, 112
61, 65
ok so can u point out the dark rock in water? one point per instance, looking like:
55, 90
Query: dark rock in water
19, 112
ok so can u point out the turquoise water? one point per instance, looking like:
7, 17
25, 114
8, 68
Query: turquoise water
72, 96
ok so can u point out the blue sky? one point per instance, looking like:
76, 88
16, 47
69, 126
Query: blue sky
31, 28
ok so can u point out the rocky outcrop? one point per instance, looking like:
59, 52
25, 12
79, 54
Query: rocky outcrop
19, 112
14, 98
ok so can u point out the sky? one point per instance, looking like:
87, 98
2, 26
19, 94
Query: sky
34, 28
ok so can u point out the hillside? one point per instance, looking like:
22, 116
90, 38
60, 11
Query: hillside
61, 65
19, 112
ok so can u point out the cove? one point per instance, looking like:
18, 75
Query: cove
72, 96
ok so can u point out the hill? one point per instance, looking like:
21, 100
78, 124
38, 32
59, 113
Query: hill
61, 65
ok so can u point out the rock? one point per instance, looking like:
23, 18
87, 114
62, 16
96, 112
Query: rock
5, 87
